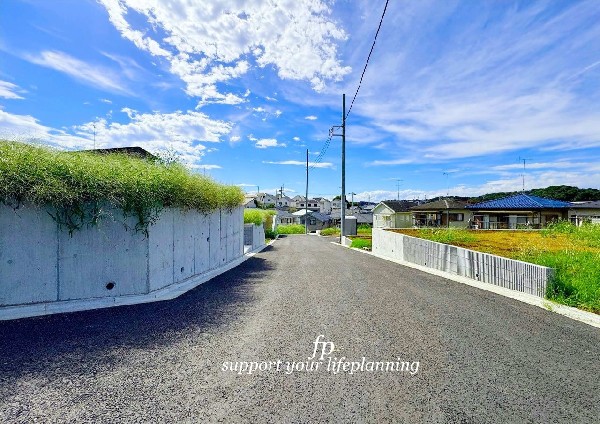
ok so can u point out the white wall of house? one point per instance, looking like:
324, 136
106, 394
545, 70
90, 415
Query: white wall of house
579, 216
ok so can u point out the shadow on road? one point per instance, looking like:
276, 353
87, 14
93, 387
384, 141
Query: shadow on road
33, 343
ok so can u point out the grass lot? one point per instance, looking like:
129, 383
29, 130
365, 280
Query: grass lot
76, 183
361, 243
573, 251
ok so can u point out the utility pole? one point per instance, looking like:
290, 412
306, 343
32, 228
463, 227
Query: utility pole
352, 194
524, 160
343, 135
306, 202
257, 190
343, 223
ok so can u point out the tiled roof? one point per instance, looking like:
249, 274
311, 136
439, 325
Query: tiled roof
441, 205
399, 205
519, 202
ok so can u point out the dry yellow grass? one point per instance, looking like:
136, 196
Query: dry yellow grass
512, 244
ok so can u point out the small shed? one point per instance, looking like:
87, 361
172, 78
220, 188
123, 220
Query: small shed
393, 214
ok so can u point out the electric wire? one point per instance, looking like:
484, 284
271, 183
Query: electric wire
328, 142
368, 58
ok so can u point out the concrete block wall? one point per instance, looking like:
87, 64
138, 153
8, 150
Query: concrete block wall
40, 263
492, 269
254, 236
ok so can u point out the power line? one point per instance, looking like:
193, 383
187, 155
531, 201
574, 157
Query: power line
323, 150
368, 58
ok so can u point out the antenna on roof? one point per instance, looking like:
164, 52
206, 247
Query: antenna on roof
398, 181
523, 175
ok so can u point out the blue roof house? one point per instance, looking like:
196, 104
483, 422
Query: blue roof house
518, 211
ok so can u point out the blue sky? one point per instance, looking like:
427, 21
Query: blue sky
456, 93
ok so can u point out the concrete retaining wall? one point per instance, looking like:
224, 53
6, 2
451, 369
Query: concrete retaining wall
254, 236
40, 263
492, 269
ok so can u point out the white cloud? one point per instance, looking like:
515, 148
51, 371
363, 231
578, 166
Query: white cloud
209, 167
94, 75
296, 139
519, 80
268, 142
9, 90
300, 163
208, 44
310, 117
235, 138
106, 101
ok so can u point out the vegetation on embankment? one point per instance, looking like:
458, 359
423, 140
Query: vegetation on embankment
77, 183
258, 216
574, 252
291, 229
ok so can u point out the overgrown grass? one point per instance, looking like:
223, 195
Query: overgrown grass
577, 279
587, 234
361, 243
257, 216
77, 183
447, 235
332, 231
291, 229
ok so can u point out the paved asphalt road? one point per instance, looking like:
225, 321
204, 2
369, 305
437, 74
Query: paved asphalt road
482, 357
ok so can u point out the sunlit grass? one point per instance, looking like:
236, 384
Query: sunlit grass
72, 181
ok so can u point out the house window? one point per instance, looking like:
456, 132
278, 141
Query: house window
313, 221
457, 217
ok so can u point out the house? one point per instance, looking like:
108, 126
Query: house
518, 211
283, 202
442, 213
364, 219
313, 205
266, 199
316, 220
250, 202
324, 205
283, 218
393, 214
336, 216
581, 212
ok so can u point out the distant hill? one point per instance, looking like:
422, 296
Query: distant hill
562, 192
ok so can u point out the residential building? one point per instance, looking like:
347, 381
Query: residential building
580, 212
518, 211
266, 199
316, 220
283, 218
393, 214
250, 201
283, 202
313, 205
449, 213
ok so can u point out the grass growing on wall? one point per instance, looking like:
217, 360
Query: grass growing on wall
257, 216
75, 183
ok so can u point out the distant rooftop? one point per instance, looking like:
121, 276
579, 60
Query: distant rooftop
133, 151
400, 205
444, 204
519, 202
